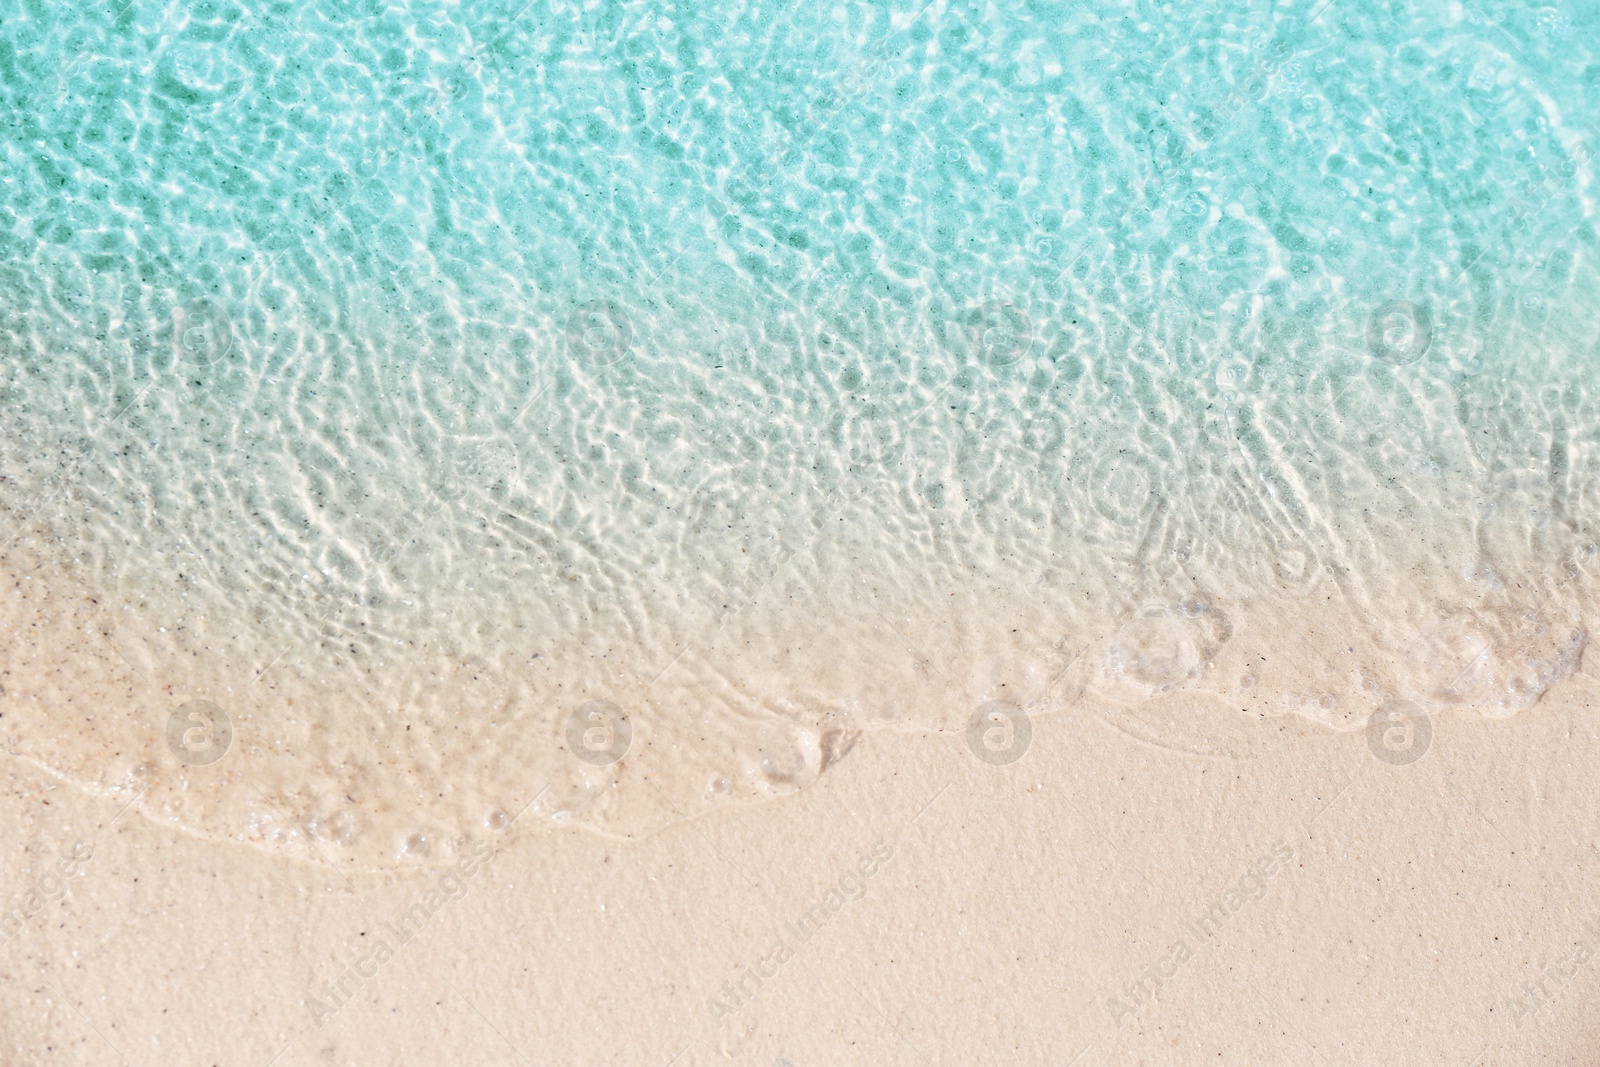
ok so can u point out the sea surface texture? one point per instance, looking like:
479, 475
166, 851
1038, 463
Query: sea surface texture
423, 421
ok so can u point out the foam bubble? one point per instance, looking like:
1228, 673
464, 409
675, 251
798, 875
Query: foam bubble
1166, 645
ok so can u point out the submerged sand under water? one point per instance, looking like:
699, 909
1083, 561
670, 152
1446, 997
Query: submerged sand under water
616, 617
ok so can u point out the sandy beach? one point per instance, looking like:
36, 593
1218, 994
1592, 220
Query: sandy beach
1098, 901
924, 532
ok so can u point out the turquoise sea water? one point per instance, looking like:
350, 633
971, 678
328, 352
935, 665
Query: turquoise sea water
460, 396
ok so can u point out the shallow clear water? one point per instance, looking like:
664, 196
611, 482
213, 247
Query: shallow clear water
458, 397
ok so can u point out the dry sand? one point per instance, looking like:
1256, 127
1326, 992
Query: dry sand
1101, 901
